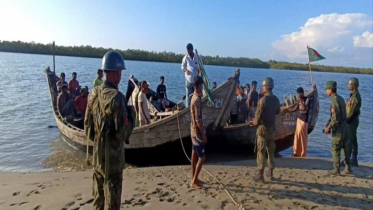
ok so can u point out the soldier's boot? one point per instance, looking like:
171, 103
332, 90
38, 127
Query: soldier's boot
258, 177
347, 171
335, 173
269, 174
353, 161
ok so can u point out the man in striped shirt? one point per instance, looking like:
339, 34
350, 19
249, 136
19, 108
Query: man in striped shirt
197, 133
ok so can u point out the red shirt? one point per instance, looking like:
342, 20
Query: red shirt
80, 103
73, 84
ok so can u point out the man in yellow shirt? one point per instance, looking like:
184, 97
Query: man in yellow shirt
98, 81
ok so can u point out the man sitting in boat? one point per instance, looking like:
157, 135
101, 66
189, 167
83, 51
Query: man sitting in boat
65, 105
98, 81
73, 83
80, 103
213, 86
61, 82
144, 115
162, 95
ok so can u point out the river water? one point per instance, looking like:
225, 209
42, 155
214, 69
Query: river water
27, 144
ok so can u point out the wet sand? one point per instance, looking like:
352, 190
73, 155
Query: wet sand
298, 184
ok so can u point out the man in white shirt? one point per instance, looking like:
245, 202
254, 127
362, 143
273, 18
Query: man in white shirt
144, 116
189, 66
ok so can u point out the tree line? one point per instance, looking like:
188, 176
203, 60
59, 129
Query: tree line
142, 55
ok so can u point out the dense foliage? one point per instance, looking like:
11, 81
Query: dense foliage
141, 55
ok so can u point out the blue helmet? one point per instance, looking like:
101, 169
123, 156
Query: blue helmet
113, 61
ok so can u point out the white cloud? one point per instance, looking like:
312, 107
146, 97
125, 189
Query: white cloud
365, 40
324, 33
336, 49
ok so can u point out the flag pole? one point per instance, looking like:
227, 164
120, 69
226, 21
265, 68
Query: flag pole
309, 66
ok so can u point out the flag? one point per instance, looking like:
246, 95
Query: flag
206, 82
313, 55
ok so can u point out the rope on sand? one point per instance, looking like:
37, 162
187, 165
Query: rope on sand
240, 207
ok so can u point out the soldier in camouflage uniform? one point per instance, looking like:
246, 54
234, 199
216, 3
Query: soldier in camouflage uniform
267, 109
337, 124
353, 111
108, 124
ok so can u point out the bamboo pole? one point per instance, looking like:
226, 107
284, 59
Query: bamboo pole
309, 66
54, 63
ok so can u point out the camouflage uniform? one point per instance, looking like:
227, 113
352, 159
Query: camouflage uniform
353, 111
338, 126
107, 124
265, 116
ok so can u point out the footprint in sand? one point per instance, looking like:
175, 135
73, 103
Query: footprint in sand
37, 208
33, 192
67, 206
16, 193
78, 197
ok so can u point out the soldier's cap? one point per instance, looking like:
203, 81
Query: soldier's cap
254, 82
330, 85
300, 90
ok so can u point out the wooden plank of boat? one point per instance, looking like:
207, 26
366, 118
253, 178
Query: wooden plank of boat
245, 134
160, 132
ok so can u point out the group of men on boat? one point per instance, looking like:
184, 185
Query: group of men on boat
108, 122
71, 98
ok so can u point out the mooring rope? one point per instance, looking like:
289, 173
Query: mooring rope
240, 207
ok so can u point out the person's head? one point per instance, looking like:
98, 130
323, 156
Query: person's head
331, 88
213, 85
112, 65
241, 92
100, 73
144, 86
64, 88
198, 85
254, 84
300, 91
162, 79
189, 48
83, 92
268, 85
74, 75
353, 84
247, 88
62, 76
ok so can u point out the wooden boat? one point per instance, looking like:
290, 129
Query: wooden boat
163, 130
244, 135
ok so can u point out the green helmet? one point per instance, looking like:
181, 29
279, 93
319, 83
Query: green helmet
268, 82
113, 61
354, 82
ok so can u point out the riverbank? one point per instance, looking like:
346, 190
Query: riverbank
170, 57
298, 184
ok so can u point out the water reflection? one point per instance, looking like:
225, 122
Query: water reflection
65, 158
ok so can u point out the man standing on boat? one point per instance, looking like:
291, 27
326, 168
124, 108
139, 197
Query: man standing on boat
301, 131
61, 82
337, 124
265, 117
108, 124
353, 112
252, 100
73, 83
189, 66
98, 81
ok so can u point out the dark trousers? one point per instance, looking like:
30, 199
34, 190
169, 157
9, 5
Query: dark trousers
107, 196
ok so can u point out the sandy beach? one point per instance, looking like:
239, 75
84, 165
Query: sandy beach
298, 184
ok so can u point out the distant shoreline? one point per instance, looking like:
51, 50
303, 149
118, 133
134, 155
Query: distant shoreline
169, 57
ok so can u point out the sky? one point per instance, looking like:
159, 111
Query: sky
341, 31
